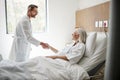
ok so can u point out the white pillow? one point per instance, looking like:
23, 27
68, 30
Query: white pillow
101, 46
90, 44
98, 56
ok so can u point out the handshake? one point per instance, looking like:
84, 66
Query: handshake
44, 45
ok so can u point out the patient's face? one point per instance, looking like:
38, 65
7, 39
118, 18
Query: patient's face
75, 35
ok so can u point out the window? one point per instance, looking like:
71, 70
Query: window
15, 9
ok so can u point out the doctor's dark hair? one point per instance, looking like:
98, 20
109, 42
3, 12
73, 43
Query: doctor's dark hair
32, 6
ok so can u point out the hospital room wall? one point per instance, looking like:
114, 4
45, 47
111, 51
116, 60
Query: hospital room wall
61, 22
89, 3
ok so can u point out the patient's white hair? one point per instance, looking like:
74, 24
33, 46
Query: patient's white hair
83, 34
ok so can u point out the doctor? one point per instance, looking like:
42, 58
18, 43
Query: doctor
23, 36
75, 51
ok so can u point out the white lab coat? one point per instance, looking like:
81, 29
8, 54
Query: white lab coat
73, 53
23, 37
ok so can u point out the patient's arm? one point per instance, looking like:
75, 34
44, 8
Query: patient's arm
60, 57
53, 49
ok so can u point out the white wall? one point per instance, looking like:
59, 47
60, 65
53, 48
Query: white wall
88, 3
61, 22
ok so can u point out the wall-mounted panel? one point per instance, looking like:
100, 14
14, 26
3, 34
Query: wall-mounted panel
86, 18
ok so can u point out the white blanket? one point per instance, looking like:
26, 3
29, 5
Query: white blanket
41, 68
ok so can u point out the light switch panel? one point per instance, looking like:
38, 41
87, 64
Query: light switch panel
96, 24
100, 23
105, 23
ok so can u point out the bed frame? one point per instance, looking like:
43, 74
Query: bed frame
98, 72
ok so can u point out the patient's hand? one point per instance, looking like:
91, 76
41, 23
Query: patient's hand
53, 57
44, 45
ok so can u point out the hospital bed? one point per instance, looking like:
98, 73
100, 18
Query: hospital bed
90, 67
96, 62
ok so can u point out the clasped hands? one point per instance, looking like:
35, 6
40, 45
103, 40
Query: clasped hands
44, 45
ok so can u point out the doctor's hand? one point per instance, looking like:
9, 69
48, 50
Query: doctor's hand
44, 45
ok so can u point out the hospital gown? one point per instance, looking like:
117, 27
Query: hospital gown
73, 53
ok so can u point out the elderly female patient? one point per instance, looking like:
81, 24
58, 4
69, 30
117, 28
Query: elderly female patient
74, 51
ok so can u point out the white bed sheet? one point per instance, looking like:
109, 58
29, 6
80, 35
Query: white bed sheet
41, 68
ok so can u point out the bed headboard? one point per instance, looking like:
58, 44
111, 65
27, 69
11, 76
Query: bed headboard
86, 18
